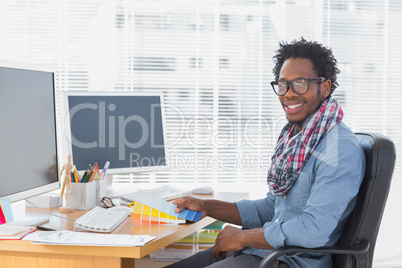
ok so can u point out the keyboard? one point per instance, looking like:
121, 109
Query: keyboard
165, 192
102, 219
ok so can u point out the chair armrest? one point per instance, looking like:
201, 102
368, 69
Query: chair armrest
361, 249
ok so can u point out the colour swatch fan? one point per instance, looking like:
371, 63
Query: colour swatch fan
149, 209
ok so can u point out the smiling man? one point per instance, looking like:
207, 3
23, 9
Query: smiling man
315, 174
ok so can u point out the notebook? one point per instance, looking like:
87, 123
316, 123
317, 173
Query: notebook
14, 232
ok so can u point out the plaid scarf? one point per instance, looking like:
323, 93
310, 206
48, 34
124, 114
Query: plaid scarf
291, 153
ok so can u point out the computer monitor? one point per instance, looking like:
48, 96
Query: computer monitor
124, 128
28, 149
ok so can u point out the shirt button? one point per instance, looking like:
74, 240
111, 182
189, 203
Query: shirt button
277, 220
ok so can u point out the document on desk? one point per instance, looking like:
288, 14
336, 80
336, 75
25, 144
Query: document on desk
87, 239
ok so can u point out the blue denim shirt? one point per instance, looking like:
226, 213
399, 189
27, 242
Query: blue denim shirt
315, 210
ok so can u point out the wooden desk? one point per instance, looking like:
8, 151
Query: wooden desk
22, 254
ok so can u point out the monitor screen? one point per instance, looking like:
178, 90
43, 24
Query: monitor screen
28, 158
125, 129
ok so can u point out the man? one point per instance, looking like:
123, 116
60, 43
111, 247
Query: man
315, 174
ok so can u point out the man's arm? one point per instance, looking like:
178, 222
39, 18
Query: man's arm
220, 210
230, 238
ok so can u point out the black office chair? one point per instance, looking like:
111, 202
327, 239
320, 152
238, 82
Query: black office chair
355, 247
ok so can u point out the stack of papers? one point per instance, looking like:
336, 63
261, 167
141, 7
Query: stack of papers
87, 239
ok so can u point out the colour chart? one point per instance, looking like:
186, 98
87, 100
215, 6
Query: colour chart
149, 209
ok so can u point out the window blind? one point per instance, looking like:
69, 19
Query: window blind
212, 59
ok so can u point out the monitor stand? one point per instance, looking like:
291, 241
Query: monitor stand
21, 218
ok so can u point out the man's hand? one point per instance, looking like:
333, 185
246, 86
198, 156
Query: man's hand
220, 210
229, 239
232, 239
190, 203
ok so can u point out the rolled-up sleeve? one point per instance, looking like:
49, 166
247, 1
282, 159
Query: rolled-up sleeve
274, 235
255, 213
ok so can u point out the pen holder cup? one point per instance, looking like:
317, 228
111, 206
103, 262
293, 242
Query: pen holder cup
100, 191
83, 196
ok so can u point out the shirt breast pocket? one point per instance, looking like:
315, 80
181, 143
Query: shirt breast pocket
300, 191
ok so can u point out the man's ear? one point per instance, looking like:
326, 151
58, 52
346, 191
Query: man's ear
326, 88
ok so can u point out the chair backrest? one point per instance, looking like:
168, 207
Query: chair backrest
364, 223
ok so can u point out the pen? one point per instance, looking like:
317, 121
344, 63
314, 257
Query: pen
44, 228
105, 168
96, 167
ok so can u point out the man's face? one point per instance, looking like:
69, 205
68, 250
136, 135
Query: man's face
299, 107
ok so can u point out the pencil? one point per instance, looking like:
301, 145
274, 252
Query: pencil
84, 176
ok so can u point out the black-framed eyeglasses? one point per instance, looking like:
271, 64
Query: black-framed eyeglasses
107, 202
299, 85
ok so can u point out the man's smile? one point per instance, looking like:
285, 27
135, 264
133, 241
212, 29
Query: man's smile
292, 108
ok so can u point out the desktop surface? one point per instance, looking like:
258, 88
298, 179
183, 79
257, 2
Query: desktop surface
78, 256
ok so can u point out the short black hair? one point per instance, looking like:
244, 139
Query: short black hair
324, 62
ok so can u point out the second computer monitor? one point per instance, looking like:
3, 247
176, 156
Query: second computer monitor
126, 129
28, 146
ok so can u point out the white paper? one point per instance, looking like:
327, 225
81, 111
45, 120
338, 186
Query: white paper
87, 239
